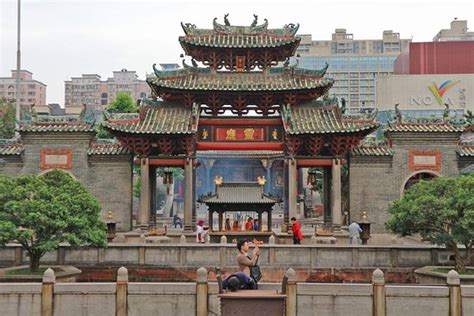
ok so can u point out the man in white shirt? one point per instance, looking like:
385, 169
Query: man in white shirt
354, 233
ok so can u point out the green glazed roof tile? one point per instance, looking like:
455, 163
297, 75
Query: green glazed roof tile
423, 128
313, 119
239, 193
160, 119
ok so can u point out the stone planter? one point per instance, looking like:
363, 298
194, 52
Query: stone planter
68, 274
426, 275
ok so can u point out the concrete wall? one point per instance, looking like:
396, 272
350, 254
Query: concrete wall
180, 299
271, 256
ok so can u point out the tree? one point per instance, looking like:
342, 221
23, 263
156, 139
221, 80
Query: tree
123, 103
442, 210
7, 119
40, 212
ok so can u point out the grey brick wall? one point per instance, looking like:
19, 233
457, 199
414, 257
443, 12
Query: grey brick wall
108, 178
376, 181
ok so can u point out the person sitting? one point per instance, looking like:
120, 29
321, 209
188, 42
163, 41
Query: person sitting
177, 221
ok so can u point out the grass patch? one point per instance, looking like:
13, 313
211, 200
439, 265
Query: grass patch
445, 270
27, 271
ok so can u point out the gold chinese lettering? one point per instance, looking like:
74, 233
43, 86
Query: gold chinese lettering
249, 133
205, 134
230, 134
275, 134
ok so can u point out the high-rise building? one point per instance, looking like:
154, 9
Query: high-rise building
457, 32
31, 91
91, 90
451, 52
354, 64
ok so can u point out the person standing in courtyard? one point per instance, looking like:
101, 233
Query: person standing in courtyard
201, 232
296, 229
354, 233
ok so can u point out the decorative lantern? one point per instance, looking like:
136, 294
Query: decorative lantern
365, 226
111, 227
312, 178
168, 180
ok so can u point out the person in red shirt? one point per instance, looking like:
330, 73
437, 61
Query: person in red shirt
249, 224
296, 228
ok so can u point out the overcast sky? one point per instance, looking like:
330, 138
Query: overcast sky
67, 38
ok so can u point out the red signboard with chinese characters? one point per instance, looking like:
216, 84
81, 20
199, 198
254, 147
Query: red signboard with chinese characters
225, 134
424, 160
56, 158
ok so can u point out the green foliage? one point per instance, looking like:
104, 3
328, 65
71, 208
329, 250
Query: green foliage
103, 133
123, 103
442, 210
40, 212
7, 119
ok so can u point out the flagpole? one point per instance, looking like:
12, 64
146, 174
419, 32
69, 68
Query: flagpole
18, 69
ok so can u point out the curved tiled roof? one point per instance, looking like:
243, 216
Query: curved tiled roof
41, 127
372, 151
11, 149
107, 149
313, 119
239, 193
238, 40
160, 119
424, 128
232, 36
466, 151
250, 81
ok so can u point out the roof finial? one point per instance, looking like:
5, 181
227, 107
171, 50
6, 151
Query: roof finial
255, 20
446, 113
398, 114
226, 20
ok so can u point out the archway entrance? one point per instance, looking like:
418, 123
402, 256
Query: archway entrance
418, 177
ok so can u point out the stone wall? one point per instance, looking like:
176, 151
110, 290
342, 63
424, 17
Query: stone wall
107, 177
375, 181
188, 298
272, 257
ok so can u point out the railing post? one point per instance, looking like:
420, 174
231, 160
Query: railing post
454, 284
291, 292
47, 292
201, 292
121, 292
378, 287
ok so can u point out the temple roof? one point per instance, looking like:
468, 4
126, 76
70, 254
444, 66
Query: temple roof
230, 36
366, 150
107, 149
161, 118
466, 151
11, 149
43, 127
423, 128
310, 118
239, 193
278, 80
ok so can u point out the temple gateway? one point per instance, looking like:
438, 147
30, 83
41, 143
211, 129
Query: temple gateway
240, 116
237, 112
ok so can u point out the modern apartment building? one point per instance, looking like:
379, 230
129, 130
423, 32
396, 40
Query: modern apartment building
354, 64
31, 91
457, 32
89, 89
